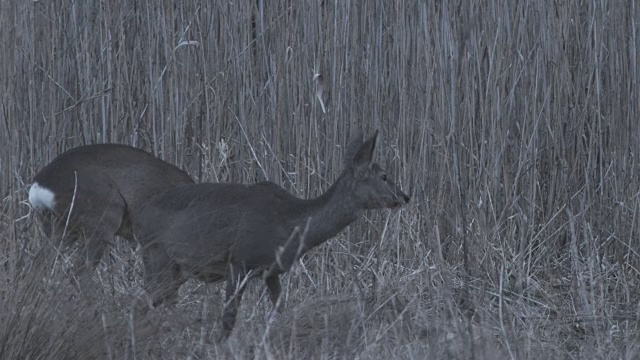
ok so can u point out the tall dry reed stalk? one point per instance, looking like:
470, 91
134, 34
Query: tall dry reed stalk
514, 124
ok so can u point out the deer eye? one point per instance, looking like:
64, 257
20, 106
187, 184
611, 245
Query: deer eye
384, 177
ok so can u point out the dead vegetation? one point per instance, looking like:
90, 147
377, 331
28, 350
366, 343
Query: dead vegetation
514, 125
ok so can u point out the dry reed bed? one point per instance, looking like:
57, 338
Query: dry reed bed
514, 125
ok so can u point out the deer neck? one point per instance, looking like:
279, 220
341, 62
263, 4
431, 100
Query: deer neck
329, 214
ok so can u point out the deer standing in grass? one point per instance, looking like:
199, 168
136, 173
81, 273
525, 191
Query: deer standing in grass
93, 192
234, 232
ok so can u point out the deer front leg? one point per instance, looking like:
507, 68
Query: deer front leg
274, 289
162, 278
234, 290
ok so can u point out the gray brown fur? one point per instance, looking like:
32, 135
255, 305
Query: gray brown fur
104, 186
217, 232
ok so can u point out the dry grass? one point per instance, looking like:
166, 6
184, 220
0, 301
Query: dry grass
515, 126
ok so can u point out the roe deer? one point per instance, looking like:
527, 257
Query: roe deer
234, 232
95, 191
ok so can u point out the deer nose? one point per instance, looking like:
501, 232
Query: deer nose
406, 198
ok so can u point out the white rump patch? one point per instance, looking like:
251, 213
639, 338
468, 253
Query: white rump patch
41, 198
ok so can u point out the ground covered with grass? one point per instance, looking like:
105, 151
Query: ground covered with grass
513, 125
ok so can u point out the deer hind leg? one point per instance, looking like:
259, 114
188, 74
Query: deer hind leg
53, 228
99, 218
58, 228
95, 217
55, 241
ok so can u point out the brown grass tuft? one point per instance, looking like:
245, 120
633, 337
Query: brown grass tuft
514, 125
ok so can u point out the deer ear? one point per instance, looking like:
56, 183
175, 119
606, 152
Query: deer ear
353, 145
364, 156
